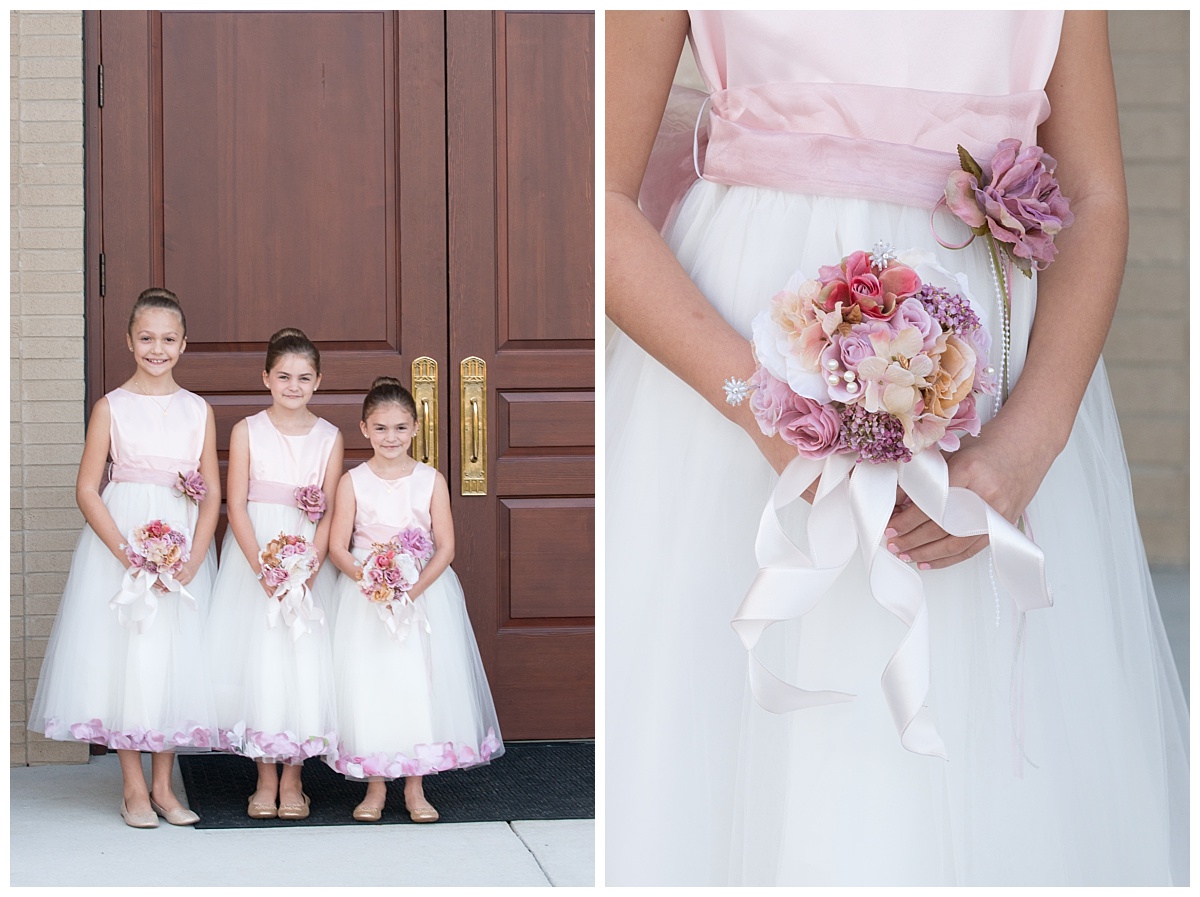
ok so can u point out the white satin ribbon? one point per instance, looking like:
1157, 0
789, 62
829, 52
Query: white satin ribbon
136, 603
294, 605
852, 507
400, 615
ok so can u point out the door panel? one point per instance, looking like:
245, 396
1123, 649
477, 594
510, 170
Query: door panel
520, 149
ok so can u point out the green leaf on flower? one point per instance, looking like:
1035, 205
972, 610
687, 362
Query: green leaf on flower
969, 165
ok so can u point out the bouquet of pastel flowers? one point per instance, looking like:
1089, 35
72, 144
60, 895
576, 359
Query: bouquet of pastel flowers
871, 370
388, 574
288, 562
872, 358
156, 553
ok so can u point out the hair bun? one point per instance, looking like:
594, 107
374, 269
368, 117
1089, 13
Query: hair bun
386, 381
286, 331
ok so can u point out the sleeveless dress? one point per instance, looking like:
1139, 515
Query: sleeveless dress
420, 704
273, 682
1066, 734
107, 683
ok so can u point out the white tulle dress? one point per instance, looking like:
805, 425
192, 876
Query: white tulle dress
415, 702
1066, 742
272, 668
141, 685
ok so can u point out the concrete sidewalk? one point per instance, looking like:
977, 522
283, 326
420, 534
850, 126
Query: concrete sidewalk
66, 829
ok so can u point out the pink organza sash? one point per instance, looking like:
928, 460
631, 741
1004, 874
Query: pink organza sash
124, 473
365, 537
272, 493
849, 140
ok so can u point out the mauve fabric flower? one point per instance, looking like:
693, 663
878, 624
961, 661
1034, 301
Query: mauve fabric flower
414, 541
914, 314
192, 486
311, 500
768, 400
1021, 204
964, 423
811, 427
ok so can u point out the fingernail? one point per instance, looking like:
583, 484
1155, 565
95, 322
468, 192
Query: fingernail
924, 567
905, 558
890, 532
892, 548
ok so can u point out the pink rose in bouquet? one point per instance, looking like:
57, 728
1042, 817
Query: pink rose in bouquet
192, 486
288, 562
858, 283
311, 500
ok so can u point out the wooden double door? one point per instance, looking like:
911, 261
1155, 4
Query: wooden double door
400, 186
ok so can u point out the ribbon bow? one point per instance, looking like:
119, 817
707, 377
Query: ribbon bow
136, 603
293, 604
400, 615
852, 507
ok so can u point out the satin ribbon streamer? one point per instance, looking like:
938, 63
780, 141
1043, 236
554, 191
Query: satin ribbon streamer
136, 603
400, 615
294, 605
851, 510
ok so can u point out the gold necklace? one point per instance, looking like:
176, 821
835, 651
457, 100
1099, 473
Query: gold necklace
276, 423
163, 408
389, 485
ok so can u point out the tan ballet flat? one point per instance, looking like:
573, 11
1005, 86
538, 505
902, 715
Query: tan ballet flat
294, 811
259, 810
138, 820
367, 814
423, 814
178, 816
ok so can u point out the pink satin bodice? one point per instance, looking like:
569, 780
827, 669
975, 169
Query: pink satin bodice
155, 438
380, 514
293, 460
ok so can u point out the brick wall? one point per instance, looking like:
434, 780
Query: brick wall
1147, 357
46, 303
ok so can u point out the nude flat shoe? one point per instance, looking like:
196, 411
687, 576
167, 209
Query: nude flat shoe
367, 814
294, 811
178, 816
260, 811
138, 820
423, 814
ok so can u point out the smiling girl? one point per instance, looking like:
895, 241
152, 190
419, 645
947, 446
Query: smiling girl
268, 644
411, 692
124, 666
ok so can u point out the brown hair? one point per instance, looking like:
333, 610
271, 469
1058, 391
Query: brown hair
290, 341
157, 297
388, 391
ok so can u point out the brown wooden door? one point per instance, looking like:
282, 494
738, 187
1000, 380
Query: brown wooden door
291, 169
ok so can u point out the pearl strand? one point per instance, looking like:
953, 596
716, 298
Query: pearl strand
1001, 388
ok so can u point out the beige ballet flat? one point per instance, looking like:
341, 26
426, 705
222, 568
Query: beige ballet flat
294, 811
423, 814
367, 814
178, 816
260, 811
138, 820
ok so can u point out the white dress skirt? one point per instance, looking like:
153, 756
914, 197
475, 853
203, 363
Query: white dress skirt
273, 692
1066, 743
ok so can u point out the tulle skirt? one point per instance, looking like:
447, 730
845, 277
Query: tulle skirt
1067, 741
273, 692
105, 683
414, 706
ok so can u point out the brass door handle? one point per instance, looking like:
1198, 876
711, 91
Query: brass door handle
424, 390
473, 372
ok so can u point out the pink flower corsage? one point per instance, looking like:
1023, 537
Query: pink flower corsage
311, 500
192, 486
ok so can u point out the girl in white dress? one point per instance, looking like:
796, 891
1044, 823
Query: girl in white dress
412, 696
269, 655
1065, 730
125, 664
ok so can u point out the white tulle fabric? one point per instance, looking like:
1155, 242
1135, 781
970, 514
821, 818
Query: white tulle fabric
1066, 736
273, 675
417, 705
133, 684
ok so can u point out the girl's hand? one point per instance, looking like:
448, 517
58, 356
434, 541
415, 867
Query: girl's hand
267, 588
189, 571
1004, 466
